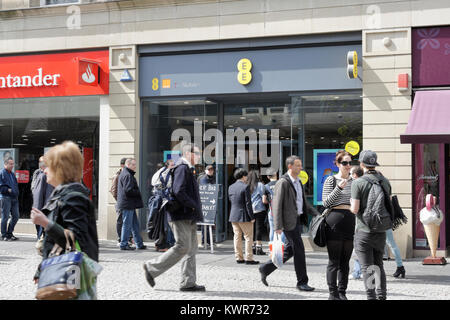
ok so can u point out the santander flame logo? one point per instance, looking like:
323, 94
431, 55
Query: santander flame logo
88, 76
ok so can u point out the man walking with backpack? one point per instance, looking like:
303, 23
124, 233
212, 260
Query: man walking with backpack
371, 204
184, 213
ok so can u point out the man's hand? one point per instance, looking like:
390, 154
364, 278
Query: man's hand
279, 231
9, 190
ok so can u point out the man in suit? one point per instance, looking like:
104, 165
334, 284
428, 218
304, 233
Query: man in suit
241, 216
183, 221
290, 207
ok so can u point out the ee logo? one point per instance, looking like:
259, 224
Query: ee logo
244, 76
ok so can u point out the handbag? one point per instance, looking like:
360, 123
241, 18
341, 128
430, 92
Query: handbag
317, 229
60, 273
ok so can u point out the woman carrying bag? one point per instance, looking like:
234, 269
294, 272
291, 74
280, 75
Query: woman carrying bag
69, 209
340, 226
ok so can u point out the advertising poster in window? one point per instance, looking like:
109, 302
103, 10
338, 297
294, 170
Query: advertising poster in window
7, 153
323, 168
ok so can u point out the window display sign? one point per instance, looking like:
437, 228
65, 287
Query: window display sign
52, 75
11, 152
323, 168
23, 176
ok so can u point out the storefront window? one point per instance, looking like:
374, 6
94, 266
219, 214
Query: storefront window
426, 182
29, 126
304, 124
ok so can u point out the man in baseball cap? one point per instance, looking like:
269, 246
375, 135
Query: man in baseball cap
369, 245
368, 158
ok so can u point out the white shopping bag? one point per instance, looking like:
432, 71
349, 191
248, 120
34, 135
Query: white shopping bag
277, 251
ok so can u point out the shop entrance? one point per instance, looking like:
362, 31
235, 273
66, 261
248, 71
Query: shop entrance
257, 132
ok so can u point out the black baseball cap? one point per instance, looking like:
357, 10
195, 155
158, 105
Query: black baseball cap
368, 158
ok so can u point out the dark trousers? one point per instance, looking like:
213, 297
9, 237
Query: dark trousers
119, 223
259, 227
340, 250
369, 248
293, 248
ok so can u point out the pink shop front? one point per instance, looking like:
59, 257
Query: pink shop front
428, 131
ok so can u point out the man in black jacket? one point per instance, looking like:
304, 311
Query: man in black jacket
183, 222
128, 200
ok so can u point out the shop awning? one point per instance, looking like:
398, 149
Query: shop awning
429, 121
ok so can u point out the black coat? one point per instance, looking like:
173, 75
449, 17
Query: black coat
69, 207
185, 189
128, 194
241, 202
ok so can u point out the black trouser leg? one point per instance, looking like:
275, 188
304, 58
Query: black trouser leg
119, 223
369, 248
344, 267
260, 217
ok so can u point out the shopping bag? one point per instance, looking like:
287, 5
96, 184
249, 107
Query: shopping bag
89, 271
277, 251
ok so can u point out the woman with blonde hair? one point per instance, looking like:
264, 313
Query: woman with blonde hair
69, 206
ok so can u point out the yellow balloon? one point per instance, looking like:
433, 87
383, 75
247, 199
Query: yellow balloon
352, 147
303, 176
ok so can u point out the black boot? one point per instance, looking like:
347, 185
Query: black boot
342, 295
334, 295
400, 272
259, 251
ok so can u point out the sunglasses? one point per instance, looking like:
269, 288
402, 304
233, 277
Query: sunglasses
345, 163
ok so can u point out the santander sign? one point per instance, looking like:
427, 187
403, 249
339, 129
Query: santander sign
77, 73
28, 81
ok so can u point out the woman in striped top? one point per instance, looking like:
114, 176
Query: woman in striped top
340, 226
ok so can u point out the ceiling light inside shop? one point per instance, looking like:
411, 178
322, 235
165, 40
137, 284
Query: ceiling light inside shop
243, 118
186, 102
19, 144
40, 130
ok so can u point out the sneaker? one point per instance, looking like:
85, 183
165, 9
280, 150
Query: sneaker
5, 239
13, 238
143, 247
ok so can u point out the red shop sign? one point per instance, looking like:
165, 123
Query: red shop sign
53, 75
23, 176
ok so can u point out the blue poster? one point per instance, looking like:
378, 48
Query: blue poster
323, 168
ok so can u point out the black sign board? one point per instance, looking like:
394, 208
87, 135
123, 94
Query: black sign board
209, 198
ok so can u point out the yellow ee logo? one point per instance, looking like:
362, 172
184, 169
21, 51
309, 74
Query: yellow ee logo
244, 76
352, 147
303, 176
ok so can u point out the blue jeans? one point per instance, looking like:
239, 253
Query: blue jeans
272, 232
9, 206
394, 248
356, 269
130, 224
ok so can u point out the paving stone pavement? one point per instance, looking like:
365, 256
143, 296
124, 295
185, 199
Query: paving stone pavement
123, 277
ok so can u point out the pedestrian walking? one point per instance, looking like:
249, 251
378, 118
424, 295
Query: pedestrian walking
370, 239
290, 209
69, 206
128, 200
257, 191
9, 195
113, 191
241, 217
339, 227
41, 190
183, 218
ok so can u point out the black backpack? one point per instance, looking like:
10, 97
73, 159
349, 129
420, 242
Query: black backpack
378, 212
